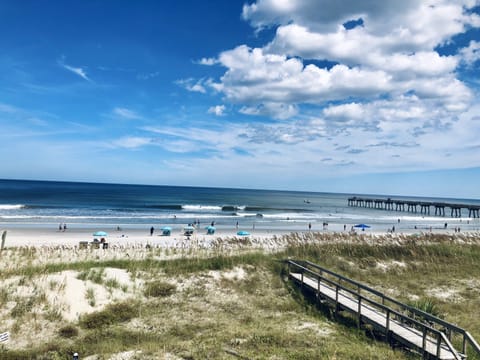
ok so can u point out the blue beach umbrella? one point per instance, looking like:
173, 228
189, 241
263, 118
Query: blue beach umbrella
100, 233
166, 230
362, 226
243, 233
210, 229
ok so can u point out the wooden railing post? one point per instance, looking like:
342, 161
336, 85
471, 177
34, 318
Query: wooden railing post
387, 327
424, 341
359, 312
439, 343
336, 298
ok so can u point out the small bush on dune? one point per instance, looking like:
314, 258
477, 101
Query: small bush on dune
68, 331
426, 305
114, 313
159, 289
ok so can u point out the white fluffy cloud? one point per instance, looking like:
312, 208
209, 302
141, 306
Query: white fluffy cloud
192, 85
218, 110
471, 54
424, 21
391, 51
379, 91
358, 47
257, 78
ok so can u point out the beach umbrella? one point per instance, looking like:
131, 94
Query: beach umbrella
100, 233
243, 233
210, 229
362, 226
166, 230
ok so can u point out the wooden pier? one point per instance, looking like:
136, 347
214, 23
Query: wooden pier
415, 206
401, 324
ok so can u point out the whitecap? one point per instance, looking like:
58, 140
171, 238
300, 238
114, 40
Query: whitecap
11, 206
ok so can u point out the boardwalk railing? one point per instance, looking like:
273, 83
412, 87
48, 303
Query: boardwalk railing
410, 326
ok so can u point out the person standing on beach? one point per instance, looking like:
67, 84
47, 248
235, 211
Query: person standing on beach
152, 229
309, 226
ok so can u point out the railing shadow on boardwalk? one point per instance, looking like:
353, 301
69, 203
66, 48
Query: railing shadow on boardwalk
399, 324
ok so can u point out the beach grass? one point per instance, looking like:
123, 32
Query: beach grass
227, 304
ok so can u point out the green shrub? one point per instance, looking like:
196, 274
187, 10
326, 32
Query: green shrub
68, 331
114, 313
427, 305
159, 289
22, 307
4, 296
112, 283
90, 296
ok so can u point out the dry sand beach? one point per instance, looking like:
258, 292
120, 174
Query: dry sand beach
37, 236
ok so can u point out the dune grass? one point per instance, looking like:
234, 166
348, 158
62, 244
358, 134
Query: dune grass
241, 306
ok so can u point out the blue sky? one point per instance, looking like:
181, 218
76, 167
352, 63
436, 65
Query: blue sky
357, 97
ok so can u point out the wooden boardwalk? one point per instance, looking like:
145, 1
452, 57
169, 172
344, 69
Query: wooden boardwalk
402, 324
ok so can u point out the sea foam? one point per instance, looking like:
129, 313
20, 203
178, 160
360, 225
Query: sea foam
11, 206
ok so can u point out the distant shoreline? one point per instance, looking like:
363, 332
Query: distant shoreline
37, 236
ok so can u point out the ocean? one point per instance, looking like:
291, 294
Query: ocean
47, 204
